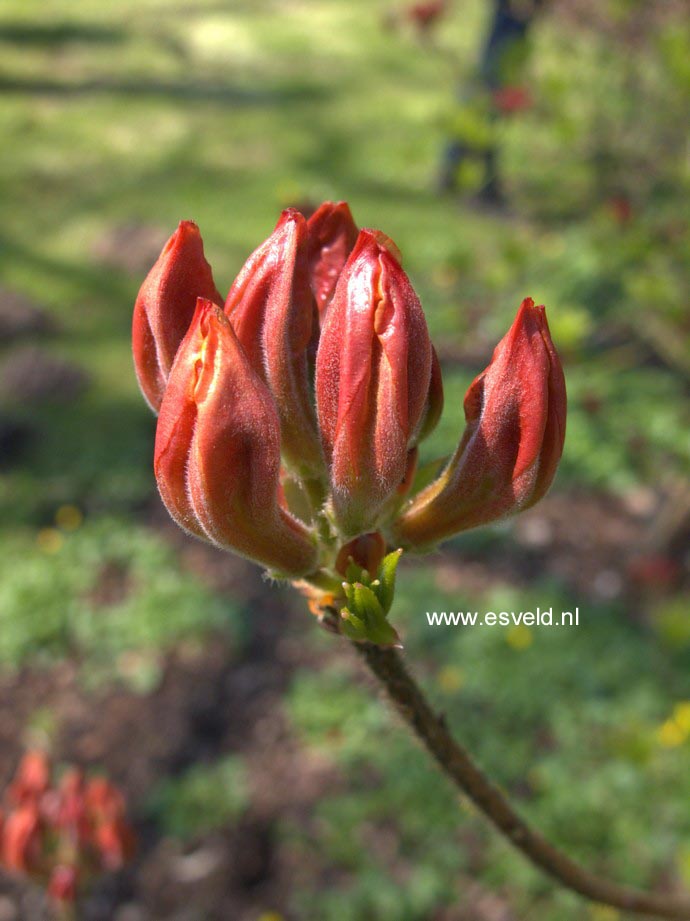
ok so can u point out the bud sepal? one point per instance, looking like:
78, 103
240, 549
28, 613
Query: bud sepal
364, 617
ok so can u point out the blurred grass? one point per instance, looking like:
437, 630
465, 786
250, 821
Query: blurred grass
140, 114
203, 799
109, 593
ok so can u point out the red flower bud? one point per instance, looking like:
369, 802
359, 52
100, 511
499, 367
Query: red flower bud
217, 454
21, 839
424, 15
62, 886
165, 306
272, 310
114, 841
508, 455
332, 236
112, 836
103, 799
32, 778
66, 809
373, 370
511, 99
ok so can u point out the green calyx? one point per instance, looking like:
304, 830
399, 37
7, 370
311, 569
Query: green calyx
365, 617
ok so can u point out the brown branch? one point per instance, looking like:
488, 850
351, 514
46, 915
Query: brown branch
389, 668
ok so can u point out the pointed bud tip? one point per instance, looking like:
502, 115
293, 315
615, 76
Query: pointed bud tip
187, 232
188, 227
378, 241
332, 236
165, 305
205, 307
330, 210
530, 318
290, 218
339, 207
529, 309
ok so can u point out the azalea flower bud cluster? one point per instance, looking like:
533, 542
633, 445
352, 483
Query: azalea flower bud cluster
292, 411
62, 833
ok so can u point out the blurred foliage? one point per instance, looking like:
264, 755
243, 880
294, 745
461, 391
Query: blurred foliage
203, 799
110, 594
121, 119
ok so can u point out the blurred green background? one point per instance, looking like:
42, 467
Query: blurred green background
266, 778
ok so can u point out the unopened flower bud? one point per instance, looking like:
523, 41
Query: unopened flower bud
332, 236
103, 800
165, 306
272, 310
111, 834
66, 807
32, 778
366, 551
508, 455
217, 453
62, 886
22, 839
373, 370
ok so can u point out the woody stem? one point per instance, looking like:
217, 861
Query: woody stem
431, 730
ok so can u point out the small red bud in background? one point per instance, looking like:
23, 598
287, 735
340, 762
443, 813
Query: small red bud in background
217, 453
509, 100
165, 306
62, 834
114, 841
373, 369
103, 799
654, 571
32, 778
508, 455
425, 15
66, 808
21, 839
112, 835
62, 886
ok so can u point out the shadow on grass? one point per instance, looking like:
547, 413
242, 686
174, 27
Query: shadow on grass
60, 33
95, 451
189, 90
89, 279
